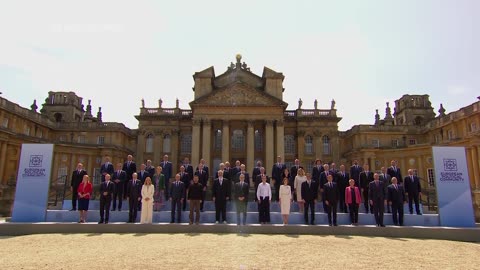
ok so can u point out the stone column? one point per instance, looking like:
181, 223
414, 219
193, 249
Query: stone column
3, 160
54, 175
318, 144
476, 170
140, 148
225, 141
372, 164
195, 142
280, 139
174, 151
206, 142
73, 165
91, 167
300, 136
250, 147
269, 142
157, 148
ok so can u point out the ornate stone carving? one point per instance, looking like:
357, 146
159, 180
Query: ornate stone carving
239, 95
269, 122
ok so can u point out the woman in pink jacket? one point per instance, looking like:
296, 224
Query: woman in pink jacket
353, 200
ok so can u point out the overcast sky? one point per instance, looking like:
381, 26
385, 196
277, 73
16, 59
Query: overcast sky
360, 53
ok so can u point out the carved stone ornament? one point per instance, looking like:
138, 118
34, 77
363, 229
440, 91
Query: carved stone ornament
239, 95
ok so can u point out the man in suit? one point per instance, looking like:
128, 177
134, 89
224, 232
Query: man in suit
309, 195
396, 199
235, 170
203, 179
293, 174
106, 168
323, 180
188, 167
317, 170
185, 178
77, 177
227, 172
330, 191
241, 199
413, 191
365, 178
258, 180
245, 173
177, 193
205, 167
333, 168
134, 196
277, 171
221, 168
355, 171
119, 177
394, 171
143, 174
342, 178
106, 192
220, 194
387, 180
129, 167
167, 172
149, 168
256, 171
377, 199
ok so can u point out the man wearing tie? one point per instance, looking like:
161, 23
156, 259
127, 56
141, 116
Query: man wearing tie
365, 178
258, 180
177, 192
204, 166
188, 167
241, 198
129, 167
149, 168
77, 177
245, 173
143, 174
203, 179
167, 172
317, 170
309, 195
256, 171
355, 171
293, 174
394, 171
377, 199
220, 194
342, 179
227, 172
396, 199
106, 191
387, 180
134, 189
331, 199
323, 180
235, 170
413, 191
185, 178
277, 171
119, 177
107, 168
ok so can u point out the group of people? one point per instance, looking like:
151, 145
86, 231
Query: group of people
148, 189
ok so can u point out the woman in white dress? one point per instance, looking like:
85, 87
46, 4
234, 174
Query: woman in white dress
285, 200
297, 185
147, 201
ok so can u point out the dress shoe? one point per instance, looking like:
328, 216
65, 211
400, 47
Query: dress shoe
100, 222
312, 223
330, 224
73, 209
419, 214
335, 224
106, 221
382, 225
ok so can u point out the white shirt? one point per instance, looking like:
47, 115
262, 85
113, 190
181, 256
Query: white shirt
264, 190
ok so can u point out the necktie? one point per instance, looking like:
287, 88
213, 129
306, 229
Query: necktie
221, 180
395, 187
411, 178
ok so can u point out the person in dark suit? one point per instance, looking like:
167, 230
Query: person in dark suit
221, 168
258, 180
355, 171
377, 199
241, 199
293, 174
220, 194
365, 178
317, 170
309, 196
396, 199
119, 177
227, 172
134, 195
342, 178
245, 173
387, 180
277, 171
177, 193
77, 177
188, 167
106, 168
413, 191
256, 171
204, 166
143, 174
185, 178
129, 167
149, 168
323, 180
330, 191
333, 169
394, 171
203, 178
106, 192
167, 172
236, 169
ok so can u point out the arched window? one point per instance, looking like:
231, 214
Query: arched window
149, 143
308, 145
289, 144
258, 141
166, 143
186, 144
326, 145
238, 140
218, 139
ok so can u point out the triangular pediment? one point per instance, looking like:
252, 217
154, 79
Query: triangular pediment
238, 94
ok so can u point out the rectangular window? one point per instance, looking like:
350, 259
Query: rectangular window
5, 122
412, 141
376, 143
101, 140
26, 130
395, 143
97, 176
62, 138
431, 177
415, 172
436, 139
81, 139
473, 127
450, 135
40, 133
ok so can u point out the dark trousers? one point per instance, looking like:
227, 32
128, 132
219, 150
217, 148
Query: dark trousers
176, 207
125, 185
203, 200
74, 198
184, 205
220, 210
332, 212
397, 213
195, 207
341, 201
132, 209
242, 209
309, 204
277, 190
105, 207
264, 209
167, 185
365, 200
378, 208
353, 207
411, 199
118, 193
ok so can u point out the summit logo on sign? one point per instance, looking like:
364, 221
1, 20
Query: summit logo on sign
34, 167
450, 173
36, 161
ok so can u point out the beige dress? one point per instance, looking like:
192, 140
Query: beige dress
285, 197
147, 206
297, 184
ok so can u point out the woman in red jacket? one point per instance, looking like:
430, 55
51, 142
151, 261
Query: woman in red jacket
352, 201
84, 192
